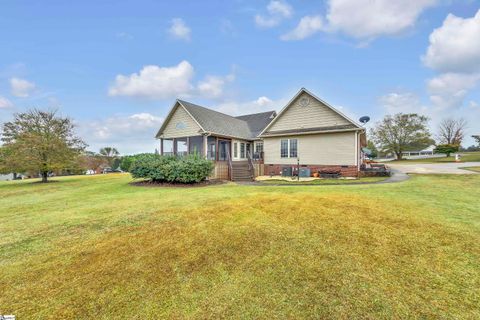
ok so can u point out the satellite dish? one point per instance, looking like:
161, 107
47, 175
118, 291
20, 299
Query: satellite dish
364, 119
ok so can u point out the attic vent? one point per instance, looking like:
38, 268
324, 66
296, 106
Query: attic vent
304, 102
180, 125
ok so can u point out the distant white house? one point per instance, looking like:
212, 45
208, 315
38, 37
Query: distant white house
6, 177
428, 151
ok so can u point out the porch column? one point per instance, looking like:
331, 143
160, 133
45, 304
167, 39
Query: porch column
188, 145
205, 146
216, 148
174, 147
161, 146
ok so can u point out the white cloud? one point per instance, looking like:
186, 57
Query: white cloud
449, 90
277, 12
155, 82
5, 103
213, 86
263, 101
474, 105
266, 22
402, 102
367, 19
280, 8
308, 26
124, 36
129, 134
21, 88
179, 29
262, 104
363, 19
455, 46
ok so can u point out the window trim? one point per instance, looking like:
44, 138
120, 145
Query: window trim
242, 144
256, 147
235, 150
289, 148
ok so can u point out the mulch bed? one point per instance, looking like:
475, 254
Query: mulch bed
176, 185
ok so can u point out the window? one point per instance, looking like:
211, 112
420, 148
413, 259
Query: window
242, 150
180, 125
288, 148
284, 148
293, 148
235, 150
211, 151
259, 147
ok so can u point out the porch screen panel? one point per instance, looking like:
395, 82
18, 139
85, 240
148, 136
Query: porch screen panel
196, 144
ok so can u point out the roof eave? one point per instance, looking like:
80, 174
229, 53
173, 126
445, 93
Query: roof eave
266, 135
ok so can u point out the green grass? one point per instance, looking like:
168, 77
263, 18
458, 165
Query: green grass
324, 181
475, 169
99, 248
465, 157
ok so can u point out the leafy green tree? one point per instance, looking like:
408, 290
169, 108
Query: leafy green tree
446, 149
395, 133
39, 141
110, 154
374, 151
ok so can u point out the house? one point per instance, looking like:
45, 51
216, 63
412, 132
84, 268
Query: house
307, 132
428, 151
10, 176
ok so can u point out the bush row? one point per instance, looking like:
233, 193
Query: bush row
188, 169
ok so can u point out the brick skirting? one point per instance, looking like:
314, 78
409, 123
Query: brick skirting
346, 171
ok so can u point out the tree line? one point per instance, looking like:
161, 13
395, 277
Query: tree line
407, 132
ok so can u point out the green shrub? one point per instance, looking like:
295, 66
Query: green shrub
189, 169
127, 162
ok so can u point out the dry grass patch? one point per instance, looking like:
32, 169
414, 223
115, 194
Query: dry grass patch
243, 252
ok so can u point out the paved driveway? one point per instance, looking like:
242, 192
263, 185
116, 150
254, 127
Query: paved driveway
449, 168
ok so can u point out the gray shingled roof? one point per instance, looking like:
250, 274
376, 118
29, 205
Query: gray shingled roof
258, 121
246, 127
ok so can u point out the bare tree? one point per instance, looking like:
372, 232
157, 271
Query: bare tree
452, 131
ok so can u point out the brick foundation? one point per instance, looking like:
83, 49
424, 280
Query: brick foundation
346, 171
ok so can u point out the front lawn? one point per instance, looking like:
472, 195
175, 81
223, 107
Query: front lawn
475, 169
464, 157
99, 248
323, 181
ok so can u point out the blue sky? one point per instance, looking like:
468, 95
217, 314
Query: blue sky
116, 67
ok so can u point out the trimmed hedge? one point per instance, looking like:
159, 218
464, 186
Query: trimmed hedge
188, 169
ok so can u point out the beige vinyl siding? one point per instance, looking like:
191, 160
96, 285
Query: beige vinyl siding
181, 116
315, 149
315, 115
